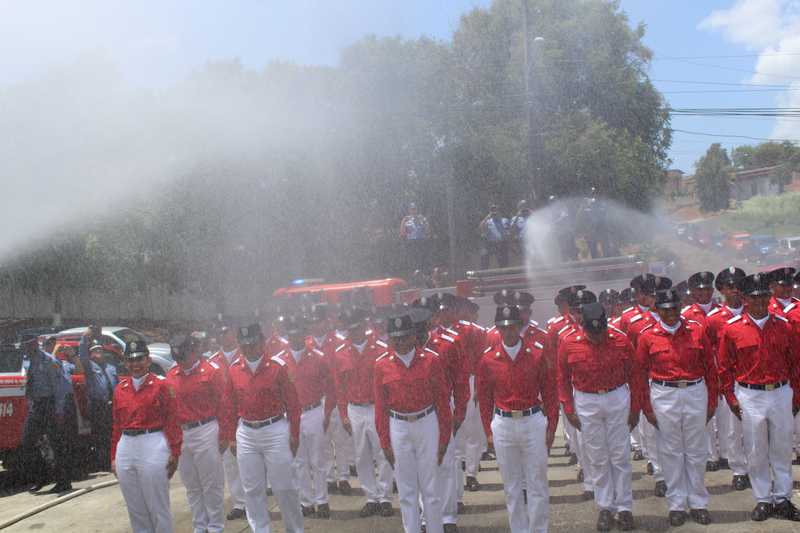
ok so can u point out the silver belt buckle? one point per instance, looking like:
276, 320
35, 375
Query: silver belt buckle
769, 386
516, 414
682, 384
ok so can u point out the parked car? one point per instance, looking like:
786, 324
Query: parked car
790, 243
737, 242
761, 245
119, 337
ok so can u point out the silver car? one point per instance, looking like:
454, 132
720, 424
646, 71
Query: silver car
160, 352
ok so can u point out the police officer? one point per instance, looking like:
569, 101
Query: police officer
519, 409
265, 402
355, 396
674, 356
595, 381
413, 420
101, 379
311, 371
758, 365
46, 393
145, 441
203, 414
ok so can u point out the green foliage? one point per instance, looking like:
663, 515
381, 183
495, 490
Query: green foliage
713, 179
767, 213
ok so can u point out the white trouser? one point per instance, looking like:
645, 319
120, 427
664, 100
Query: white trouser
309, 465
767, 427
200, 468
265, 452
471, 440
447, 482
712, 436
636, 438
141, 463
731, 441
583, 462
606, 438
339, 450
416, 446
650, 446
682, 443
369, 454
569, 433
521, 451
232, 477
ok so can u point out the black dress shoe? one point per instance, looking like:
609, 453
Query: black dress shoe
369, 509
712, 466
386, 509
580, 475
588, 495
638, 455
573, 459
660, 489
61, 488
604, 520
724, 464
625, 520
332, 487
345, 488
649, 468
740, 482
463, 466
236, 514
37, 487
796, 460
323, 511
307, 511
353, 471
761, 512
677, 518
701, 516
450, 528
786, 510
472, 484
460, 508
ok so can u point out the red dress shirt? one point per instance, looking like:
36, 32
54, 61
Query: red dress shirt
591, 367
685, 356
637, 324
152, 406
527, 381
696, 313
355, 373
758, 356
474, 342
275, 344
312, 377
221, 361
411, 389
201, 394
777, 308
447, 345
716, 320
264, 394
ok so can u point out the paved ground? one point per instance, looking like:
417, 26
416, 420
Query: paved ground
104, 510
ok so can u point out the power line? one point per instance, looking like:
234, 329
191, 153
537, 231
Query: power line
706, 134
733, 84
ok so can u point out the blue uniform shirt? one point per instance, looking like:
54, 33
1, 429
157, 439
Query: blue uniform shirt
100, 379
46, 379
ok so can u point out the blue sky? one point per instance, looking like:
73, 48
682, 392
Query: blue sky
157, 42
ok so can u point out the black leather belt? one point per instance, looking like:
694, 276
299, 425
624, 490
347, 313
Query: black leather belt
600, 391
517, 414
680, 384
366, 404
310, 407
764, 386
263, 423
137, 432
412, 418
191, 425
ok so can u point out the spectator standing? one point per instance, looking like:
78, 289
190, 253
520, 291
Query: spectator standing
517, 227
101, 378
415, 233
494, 233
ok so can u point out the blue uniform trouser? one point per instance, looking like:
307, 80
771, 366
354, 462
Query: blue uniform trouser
41, 421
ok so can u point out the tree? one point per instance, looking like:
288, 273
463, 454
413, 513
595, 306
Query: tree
713, 179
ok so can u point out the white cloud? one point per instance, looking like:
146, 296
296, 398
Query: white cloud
771, 28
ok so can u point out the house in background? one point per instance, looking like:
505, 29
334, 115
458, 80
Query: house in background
678, 184
765, 181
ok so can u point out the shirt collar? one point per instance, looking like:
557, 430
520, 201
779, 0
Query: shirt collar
706, 307
735, 311
297, 354
253, 365
406, 358
760, 322
513, 351
191, 369
138, 382
670, 329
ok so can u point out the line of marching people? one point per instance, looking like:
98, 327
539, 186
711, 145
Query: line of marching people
422, 391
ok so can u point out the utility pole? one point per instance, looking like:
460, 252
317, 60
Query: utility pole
534, 156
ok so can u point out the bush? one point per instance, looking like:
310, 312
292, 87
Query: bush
767, 212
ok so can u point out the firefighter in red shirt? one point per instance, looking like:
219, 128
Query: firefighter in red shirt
759, 372
792, 314
312, 374
199, 387
600, 399
519, 409
355, 396
609, 298
675, 356
781, 283
413, 419
224, 358
145, 441
264, 400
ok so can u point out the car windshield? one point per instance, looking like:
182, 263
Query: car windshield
10, 361
128, 335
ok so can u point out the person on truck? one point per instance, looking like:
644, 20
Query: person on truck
46, 393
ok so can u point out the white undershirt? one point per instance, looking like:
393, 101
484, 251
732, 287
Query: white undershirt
407, 357
670, 329
784, 302
760, 322
188, 371
318, 341
138, 382
737, 311
360, 347
706, 307
229, 355
512, 351
253, 364
643, 309
297, 354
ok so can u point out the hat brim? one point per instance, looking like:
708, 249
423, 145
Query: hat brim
245, 341
758, 293
402, 333
137, 355
508, 322
702, 286
668, 305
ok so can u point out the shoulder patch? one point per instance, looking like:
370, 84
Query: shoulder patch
341, 346
488, 349
214, 365
452, 332
319, 353
533, 323
540, 330
434, 352
464, 322
714, 311
277, 359
779, 317
616, 330
734, 319
448, 338
648, 327
538, 345
565, 328
690, 321
686, 309
636, 318
628, 309
381, 356
555, 319
381, 343
571, 332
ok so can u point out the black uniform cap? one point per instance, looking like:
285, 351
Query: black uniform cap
730, 276
446, 300
252, 334
467, 304
626, 296
563, 295
782, 276
668, 299
295, 324
524, 299
755, 285
701, 280
318, 313
352, 318
608, 296
505, 297
431, 303
136, 349
581, 298
594, 317
507, 315
682, 288
400, 325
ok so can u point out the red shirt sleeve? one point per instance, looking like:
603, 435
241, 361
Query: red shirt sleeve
564, 378
711, 372
381, 410
441, 399
727, 368
172, 430
291, 402
549, 390
641, 375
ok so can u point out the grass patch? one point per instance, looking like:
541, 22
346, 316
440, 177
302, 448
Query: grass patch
774, 215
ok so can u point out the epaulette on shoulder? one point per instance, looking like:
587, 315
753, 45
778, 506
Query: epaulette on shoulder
570, 332
162, 378
448, 338
493, 328
434, 352
628, 309
636, 318
214, 365
278, 359
538, 345
686, 309
341, 346
617, 330
318, 352
648, 326
367, 333
714, 311
695, 322
381, 343
452, 332
541, 330
779, 317
789, 307
488, 349
616, 320
465, 322
734, 319
555, 319
533, 323
565, 328
384, 354
340, 336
